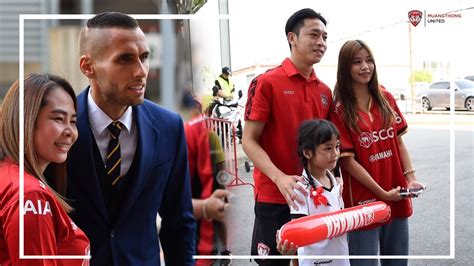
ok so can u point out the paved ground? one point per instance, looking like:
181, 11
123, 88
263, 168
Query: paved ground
240, 214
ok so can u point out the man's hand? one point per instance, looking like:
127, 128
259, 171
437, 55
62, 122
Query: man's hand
286, 184
216, 204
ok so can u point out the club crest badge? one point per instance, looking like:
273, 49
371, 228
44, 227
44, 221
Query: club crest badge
366, 140
324, 100
414, 17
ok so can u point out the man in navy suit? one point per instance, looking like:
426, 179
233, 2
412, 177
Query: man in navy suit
116, 203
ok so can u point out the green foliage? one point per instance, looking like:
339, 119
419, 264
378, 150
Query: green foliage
422, 76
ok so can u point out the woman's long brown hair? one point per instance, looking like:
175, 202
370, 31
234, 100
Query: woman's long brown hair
36, 89
344, 93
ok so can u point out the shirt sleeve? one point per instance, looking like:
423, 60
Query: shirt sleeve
216, 148
40, 229
259, 100
347, 147
400, 123
302, 208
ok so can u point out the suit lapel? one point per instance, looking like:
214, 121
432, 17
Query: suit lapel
89, 180
147, 143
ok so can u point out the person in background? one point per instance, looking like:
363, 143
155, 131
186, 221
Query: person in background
374, 159
223, 85
130, 162
206, 161
278, 101
50, 131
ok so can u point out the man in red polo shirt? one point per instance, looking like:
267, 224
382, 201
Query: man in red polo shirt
278, 101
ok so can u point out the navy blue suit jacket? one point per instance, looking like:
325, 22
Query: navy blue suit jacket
161, 185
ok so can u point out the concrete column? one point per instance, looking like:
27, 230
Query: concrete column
168, 66
224, 34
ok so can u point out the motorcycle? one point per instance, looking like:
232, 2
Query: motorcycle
230, 110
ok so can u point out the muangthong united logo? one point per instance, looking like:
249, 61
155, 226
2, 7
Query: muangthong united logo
366, 139
429, 17
414, 17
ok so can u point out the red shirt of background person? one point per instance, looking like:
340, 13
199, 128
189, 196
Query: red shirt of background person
205, 160
50, 131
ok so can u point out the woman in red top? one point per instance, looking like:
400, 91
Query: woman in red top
375, 162
50, 130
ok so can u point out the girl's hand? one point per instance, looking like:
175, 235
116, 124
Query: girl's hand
392, 195
415, 184
285, 248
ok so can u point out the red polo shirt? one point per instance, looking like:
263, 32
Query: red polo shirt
282, 98
377, 149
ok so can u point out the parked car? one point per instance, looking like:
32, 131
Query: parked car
437, 94
471, 78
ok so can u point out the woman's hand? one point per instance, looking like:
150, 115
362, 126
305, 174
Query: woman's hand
392, 195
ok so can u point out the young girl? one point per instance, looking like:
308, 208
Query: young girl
318, 150
375, 162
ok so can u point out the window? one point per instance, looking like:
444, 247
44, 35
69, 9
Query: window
440, 85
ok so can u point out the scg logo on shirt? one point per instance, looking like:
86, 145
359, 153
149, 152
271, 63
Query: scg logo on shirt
366, 139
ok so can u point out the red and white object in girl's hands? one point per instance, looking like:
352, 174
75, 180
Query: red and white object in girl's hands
314, 228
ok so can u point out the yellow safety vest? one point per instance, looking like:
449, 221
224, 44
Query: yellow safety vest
226, 86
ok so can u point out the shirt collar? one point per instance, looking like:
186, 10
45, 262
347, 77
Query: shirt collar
291, 70
101, 120
328, 173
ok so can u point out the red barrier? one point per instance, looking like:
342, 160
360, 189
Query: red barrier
227, 133
314, 228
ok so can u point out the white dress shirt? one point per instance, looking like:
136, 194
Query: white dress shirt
128, 136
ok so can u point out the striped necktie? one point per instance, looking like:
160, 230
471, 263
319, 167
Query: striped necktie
113, 153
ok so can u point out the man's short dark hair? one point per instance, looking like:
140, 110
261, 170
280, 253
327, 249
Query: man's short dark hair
296, 21
112, 19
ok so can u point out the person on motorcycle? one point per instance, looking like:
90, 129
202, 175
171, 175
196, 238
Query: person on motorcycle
224, 87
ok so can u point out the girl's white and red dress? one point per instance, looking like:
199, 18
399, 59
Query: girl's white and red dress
322, 201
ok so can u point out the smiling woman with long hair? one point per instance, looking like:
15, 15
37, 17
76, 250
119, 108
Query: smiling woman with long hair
49, 130
375, 162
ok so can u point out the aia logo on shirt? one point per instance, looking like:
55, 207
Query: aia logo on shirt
38, 208
366, 139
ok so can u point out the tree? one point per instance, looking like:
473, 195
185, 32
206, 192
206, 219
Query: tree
422, 76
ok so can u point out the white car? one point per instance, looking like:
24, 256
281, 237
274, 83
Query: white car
437, 94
